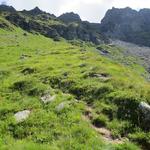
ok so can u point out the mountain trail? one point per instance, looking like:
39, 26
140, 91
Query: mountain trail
104, 132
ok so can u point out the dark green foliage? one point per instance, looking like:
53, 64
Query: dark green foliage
142, 138
28, 71
4, 73
100, 121
127, 104
29, 87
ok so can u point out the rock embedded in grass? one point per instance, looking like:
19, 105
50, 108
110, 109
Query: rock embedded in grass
145, 109
22, 115
145, 112
61, 106
48, 98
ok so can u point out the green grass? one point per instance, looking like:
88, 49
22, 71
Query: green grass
31, 65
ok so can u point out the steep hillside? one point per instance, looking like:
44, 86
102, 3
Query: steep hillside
128, 25
67, 94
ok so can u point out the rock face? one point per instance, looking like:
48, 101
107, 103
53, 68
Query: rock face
145, 110
70, 17
127, 25
22, 115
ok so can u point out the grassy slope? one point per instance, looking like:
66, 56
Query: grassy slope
60, 67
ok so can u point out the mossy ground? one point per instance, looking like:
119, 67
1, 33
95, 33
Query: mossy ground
31, 65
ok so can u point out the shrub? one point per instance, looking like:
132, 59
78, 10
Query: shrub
127, 104
3, 73
100, 121
29, 87
28, 70
142, 138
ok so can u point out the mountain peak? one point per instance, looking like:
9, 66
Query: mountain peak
7, 8
36, 11
70, 17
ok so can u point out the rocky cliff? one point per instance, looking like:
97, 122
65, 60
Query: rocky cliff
128, 25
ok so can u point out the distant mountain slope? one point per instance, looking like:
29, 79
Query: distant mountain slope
68, 26
128, 25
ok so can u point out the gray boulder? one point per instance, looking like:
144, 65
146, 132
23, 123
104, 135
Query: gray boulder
144, 115
61, 106
22, 115
145, 109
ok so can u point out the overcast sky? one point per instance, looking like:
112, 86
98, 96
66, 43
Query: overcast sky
91, 10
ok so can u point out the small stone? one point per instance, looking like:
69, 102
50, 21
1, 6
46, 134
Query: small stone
22, 115
102, 76
48, 98
61, 106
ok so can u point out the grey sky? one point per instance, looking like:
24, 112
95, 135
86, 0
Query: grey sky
91, 10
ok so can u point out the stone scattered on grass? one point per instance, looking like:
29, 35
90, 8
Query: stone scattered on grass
145, 115
28, 70
102, 76
145, 109
61, 106
22, 115
24, 56
48, 98
104, 52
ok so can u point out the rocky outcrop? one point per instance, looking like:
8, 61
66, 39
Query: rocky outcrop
70, 17
5, 8
83, 30
31, 25
127, 25
37, 11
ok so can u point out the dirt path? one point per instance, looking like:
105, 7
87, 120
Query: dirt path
104, 132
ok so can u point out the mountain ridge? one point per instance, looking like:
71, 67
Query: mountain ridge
53, 27
128, 25
124, 24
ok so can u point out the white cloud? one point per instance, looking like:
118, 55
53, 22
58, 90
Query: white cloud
132, 3
92, 10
